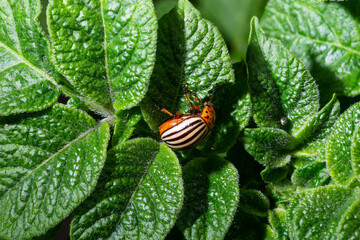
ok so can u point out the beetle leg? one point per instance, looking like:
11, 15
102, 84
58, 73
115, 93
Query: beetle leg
164, 110
196, 104
187, 97
212, 93
196, 99
193, 93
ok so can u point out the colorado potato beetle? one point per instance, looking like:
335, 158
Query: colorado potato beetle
184, 131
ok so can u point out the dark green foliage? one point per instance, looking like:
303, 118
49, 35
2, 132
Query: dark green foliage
282, 162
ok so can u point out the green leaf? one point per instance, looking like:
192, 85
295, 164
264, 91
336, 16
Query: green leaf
191, 50
283, 93
349, 226
281, 192
233, 114
26, 82
268, 146
125, 125
269, 234
254, 202
315, 132
277, 219
338, 146
49, 164
274, 175
139, 195
355, 151
75, 102
212, 195
106, 49
315, 214
311, 175
325, 36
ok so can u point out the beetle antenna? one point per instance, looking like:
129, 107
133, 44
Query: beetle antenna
164, 110
212, 94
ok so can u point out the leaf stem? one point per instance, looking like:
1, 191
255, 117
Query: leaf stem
90, 103
66, 89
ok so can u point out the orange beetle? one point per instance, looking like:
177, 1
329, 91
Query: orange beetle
184, 131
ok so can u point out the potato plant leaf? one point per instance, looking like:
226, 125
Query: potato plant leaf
191, 50
269, 233
254, 202
125, 124
311, 175
277, 220
105, 49
138, 196
311, 140
339, 159
324, 35
49, 163
283, 93
212, 195
26, 73
322, 213
349, 226
274, 174
268, 146
284, 96
355, 151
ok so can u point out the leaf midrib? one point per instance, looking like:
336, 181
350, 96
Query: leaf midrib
24, 60
297, 35
339, 46
130, 202
92, 104
52, 156
111, 94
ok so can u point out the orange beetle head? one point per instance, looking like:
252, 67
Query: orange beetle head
208, 114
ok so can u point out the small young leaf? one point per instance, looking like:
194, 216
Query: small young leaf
254, 202
355, 151
315, 214
349, 226
325, 36
48, 165
312, 137
274, 175
281, 192
139, 195
212, 196
268, 146
269, 234
277, 219
191, 50
312, 175
283, 93
125, 125
77, 103
338, 146
106, 49
26, 82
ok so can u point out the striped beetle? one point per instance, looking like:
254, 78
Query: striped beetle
184, 131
